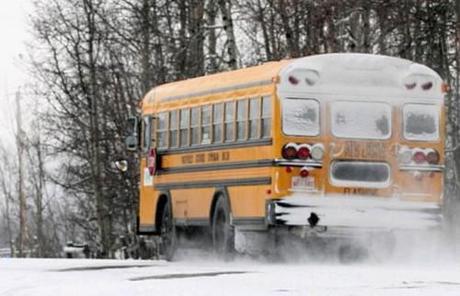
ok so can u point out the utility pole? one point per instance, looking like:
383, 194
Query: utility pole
22, 198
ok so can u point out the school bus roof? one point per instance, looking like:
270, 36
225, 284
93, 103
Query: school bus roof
251, 76
341, 73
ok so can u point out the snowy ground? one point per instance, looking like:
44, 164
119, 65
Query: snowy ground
210, 277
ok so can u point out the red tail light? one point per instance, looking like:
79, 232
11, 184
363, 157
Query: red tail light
304, 173
433, 157
289, 151
419, 157
303, 152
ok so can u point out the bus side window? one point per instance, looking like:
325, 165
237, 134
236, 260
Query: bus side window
206, 124
184, 126
266, 117
254, 118
162, 130
146, 132
195, 125
242, 118
218, 117
229, 121
173, 129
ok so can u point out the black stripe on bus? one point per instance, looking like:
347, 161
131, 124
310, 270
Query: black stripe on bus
192, 221
249, 221
212, 147
245, 221
146, 229
214, 183
220, 90
217, 166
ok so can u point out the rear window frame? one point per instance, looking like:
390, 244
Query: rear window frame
390, 120
403, 125
360, 184
319, 129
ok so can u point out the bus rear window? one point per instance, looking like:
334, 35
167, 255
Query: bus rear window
300, 117
361, 120
362, 174
421, 122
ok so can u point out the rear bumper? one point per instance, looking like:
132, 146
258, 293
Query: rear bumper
354, 212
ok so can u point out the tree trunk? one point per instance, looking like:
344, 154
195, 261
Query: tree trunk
39, 187
292, 43
211, 11
196, 55
21, 195
145, 50
227, 20
7, 195
366, 31
96, 161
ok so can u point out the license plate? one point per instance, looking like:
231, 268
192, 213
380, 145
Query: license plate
299, 183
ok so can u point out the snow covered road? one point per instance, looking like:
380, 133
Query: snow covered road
244, 277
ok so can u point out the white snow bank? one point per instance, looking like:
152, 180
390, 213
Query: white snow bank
109, 277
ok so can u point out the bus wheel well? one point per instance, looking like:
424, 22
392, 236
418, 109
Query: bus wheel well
162, 201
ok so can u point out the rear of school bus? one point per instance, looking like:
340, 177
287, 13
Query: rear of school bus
353, 141
360, 145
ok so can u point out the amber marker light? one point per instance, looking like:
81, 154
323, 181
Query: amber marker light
427, 85
445, 88
410, 85
293, 80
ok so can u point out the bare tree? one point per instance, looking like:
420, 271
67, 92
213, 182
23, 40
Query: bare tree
227, 21
97, 58
6, 191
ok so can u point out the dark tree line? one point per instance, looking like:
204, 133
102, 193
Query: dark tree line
92, 60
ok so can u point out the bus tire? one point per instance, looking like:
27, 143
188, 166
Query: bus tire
223, 233
168, 237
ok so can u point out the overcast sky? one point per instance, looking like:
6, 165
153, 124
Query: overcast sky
14, 32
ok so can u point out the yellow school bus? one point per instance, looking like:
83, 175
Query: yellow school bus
332, 143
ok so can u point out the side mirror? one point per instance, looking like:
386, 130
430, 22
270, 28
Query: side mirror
131, 143
132, 140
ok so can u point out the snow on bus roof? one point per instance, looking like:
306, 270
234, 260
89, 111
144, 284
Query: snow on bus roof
359, 74
196, 86
343, 73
